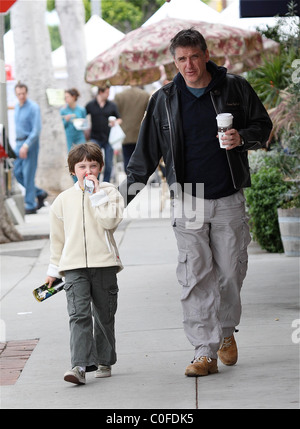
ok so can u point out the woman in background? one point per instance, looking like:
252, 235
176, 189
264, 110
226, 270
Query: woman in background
70, 115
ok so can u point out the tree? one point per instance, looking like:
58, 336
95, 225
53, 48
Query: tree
33, 66
125, 15
72, 18
8, 231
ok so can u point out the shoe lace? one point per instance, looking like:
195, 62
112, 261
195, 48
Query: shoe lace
227, 342
201, 359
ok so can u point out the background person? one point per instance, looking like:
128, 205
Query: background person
28, 128
70, 112
100, 109
132, 104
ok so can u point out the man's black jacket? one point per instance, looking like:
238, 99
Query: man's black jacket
161, 133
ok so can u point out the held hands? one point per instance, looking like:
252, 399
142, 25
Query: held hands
231, 139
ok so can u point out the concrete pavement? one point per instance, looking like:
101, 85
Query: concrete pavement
152, 349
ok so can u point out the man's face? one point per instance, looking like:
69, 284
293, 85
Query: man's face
21, 94
103, 95
191, 63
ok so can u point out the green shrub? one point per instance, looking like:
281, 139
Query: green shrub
263, 198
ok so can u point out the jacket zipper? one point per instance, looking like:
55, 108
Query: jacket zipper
230, 168
84, 232
172, 147
173, 161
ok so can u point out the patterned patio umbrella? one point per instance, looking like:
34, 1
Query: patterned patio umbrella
135, 59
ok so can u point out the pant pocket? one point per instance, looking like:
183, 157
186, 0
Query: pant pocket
243, 256
181, 270
70, 298
113, 300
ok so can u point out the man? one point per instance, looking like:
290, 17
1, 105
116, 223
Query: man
100, 110
180, 125
28, 128
132, 104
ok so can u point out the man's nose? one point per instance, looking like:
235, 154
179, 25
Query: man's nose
189, 62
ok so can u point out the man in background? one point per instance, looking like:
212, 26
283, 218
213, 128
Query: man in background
132, 104
100, 109
28, 129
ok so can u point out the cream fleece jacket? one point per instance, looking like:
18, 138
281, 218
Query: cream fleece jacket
82, 227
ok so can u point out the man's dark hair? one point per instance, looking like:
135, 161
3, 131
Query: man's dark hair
21, 85
103, 88
187, 38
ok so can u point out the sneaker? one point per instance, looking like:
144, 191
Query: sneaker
202, 366
41, 199
30, 211
103, 371
75, 375
228, 352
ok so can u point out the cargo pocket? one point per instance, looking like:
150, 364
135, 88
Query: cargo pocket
181, 270
113, 299
243, 257
243, 266
70, 298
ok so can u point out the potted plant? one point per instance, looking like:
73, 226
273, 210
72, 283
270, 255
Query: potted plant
276, 171
263, 198
289, 209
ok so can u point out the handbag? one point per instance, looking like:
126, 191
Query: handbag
116, 137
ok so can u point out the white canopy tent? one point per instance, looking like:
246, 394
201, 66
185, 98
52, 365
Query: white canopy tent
99, 36
231, 16
187, 9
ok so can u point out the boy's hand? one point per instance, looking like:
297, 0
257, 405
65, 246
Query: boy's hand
50, 281
96, 182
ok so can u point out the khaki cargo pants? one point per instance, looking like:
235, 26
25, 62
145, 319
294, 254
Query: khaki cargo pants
212, 265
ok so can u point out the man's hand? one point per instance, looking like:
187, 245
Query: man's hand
23, 151
231, 139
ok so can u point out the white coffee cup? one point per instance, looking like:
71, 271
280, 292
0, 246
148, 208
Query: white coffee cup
224, 121
111, 120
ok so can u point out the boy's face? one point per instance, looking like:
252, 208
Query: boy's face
83, 168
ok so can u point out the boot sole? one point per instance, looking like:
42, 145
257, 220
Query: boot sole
201, 375
72, 379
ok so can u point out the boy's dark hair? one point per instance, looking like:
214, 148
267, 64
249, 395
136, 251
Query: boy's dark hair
79, 152
186, 38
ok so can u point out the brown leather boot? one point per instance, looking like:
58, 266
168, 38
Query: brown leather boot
202, 366
228, 352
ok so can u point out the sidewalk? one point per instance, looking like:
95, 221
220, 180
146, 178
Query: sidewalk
152, 349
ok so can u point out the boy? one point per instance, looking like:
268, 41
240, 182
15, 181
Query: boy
83, 250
